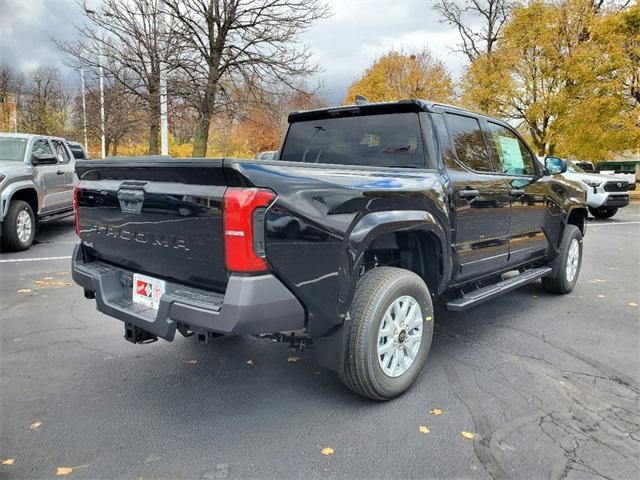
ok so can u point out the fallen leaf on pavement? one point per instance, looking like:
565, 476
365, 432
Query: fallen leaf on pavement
600, 296
24, 290
61, 471
436, 411
8, 461
423, 429
249, 362
633, 304
48, 278
468, 435
35, 425
193, 361
293, 359
327, 451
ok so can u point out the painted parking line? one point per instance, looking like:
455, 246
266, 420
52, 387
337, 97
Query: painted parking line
41, 259
590, 224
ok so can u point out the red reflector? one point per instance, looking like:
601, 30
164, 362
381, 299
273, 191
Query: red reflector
238, 207
75, 209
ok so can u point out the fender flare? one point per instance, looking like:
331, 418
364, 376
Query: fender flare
9, 191
373, 225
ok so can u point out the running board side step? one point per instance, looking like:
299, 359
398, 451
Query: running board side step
481, 295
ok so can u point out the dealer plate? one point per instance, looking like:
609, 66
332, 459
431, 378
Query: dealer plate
147, 290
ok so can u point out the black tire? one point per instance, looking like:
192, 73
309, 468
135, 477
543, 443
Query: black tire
375, 293
603, 213
558, 281
10, 238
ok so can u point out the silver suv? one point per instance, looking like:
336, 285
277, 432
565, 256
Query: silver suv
37, 175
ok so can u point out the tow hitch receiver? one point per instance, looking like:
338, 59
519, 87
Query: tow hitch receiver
137, 335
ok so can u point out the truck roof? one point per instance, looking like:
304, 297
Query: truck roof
28, 136
411, 105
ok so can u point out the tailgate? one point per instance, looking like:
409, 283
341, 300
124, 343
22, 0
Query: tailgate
162, 218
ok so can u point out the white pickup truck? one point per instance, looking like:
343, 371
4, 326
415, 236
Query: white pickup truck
605, 193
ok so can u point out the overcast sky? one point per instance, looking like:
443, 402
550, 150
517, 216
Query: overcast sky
343, 45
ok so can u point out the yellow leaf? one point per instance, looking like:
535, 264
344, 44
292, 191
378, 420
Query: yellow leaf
633, 304
249, 362
61, 471
428, 319
48, 278
436, 411
35, 425
8, 461
327, 451
24, 290
293, 359
468, 435
423, 429
193, 361
600, 296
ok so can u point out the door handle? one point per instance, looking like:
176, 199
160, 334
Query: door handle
468, 193
516, 193
59, 172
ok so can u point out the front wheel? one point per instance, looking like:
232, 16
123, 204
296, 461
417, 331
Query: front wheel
566, 265
390, 333
603, 213
19, 226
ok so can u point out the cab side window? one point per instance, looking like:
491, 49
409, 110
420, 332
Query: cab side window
512, 153
41, 147
61, 151
468, 142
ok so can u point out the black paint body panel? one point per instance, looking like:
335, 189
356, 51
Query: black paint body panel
323, 219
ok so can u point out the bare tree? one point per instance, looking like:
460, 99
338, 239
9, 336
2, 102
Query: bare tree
44, 108
123, 115
479, 23
126, 38
225, 45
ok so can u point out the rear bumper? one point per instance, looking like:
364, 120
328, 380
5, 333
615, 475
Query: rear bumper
250, 305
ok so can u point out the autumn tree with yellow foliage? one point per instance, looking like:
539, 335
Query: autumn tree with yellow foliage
566, 72
399, 75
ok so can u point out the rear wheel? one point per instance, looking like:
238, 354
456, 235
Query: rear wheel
566, 265
390, 333
603, 213
19, 226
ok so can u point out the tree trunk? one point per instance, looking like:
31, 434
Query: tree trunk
114, 148
154, 130
201, 138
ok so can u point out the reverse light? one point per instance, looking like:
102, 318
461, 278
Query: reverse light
243, 228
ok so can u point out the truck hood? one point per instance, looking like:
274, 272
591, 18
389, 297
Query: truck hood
590, 177
12, 168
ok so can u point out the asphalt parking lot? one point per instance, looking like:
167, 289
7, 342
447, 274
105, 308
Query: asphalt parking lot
549, 385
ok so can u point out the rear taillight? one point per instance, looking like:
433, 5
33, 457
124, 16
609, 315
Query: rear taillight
75, 208
243, 225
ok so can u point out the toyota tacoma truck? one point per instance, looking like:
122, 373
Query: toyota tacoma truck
409, 202
605, 193
37, 175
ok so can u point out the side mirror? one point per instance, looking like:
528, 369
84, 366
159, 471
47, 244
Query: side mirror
44, 159
554, 165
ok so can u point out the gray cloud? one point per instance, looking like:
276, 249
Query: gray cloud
343, 45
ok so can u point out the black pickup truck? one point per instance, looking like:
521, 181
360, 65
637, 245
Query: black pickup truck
367, 214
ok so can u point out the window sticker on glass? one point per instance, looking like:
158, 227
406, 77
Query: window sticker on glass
370, 140
510, 154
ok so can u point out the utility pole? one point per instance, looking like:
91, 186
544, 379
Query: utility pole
103, 129
164, 126
84, 111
